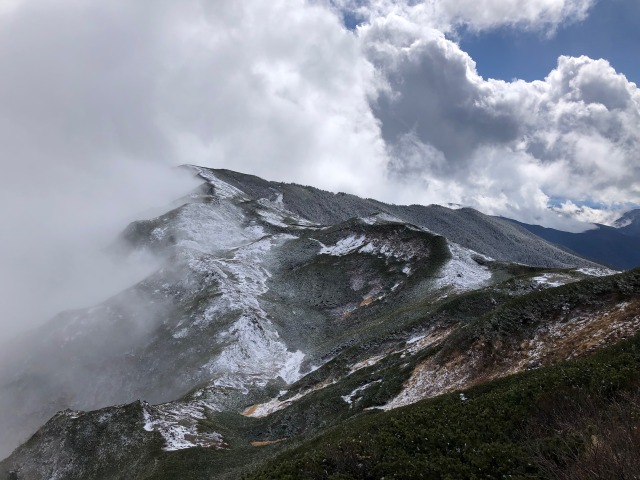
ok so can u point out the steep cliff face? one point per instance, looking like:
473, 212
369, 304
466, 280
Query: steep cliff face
281, 310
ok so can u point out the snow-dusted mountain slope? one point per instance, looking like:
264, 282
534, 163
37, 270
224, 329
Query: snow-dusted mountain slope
496, 237
269, 295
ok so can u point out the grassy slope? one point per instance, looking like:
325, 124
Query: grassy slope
443, 437
506, 427
540, 424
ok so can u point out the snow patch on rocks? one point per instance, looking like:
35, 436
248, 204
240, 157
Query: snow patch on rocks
263, 409
597, 272
344, 246
369, 245
244, 276
275, 213
462, 271
552, 280
272, 218
177, 422
381, 218
356, 393
253, 348
255, 351
223, 190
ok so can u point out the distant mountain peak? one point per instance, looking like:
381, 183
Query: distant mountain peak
629, 221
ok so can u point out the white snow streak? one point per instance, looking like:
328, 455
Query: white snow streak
223, 190
462, 272
356, 393
552, 280
264, 409
177, 422
344, 247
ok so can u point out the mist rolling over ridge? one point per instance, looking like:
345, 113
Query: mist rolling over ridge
226, 249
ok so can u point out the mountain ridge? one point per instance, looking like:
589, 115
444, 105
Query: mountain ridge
280, 309
629, 223
616, 247
320, 206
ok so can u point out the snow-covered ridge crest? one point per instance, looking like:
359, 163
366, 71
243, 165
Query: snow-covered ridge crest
201, 227
381, 218
223, 190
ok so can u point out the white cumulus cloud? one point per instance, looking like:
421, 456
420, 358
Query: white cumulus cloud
446, 15
507, 148
99, 99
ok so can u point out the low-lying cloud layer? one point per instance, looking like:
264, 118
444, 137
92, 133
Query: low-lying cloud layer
99, 99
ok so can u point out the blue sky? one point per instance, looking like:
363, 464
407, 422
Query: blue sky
612, 32
508, 42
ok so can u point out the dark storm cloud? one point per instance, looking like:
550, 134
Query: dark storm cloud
432, 96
